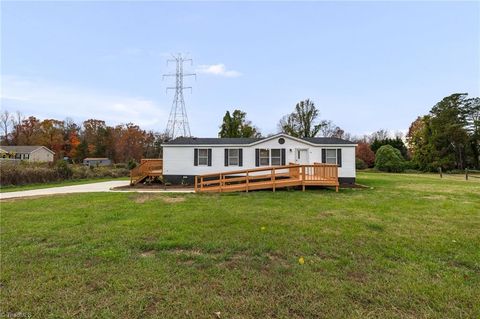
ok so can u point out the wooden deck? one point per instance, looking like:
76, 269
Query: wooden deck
148, 168
269, 178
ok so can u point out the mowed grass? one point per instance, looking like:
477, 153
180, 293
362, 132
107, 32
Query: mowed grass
408, 247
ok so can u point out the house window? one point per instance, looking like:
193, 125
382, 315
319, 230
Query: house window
18, 156
264, 157
276, 157
233, 157
331, 157
26, 156
203, 156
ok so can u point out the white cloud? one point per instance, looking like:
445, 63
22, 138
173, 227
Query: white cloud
51, 100
217, 69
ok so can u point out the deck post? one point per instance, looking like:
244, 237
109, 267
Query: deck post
303, 178
273, 179
221, 182
247, 178
195, 177
201, 183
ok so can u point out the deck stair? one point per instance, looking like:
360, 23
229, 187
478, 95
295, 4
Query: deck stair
272, 177
148, 168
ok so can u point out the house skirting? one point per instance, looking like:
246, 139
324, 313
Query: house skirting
190, 180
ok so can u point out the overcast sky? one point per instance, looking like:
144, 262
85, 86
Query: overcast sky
366, 65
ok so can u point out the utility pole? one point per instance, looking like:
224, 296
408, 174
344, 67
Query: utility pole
178, 121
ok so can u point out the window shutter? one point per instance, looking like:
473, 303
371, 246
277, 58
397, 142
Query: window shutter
195, 157
257, 157
324, 155
339, 157
226, 157
209, 157
282, 156
240, 157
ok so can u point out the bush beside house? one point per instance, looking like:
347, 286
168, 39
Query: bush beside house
389, 159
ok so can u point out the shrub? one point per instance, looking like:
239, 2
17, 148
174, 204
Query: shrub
63, 170
131, 164
389, 159
360, 164
22, 173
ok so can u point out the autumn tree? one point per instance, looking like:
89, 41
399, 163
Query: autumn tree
51, 136
365, 153
28, 131
131, 142
94, 136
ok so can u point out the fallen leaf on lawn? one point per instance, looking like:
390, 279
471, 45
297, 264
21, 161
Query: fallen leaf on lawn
301, 261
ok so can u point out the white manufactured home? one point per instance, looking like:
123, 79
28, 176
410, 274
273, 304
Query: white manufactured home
184, 158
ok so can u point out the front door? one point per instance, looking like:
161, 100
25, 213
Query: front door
301, 156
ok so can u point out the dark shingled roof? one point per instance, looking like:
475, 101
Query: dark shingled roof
22, 148
246, 141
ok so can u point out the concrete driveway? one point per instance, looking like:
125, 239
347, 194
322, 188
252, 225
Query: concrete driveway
83, 188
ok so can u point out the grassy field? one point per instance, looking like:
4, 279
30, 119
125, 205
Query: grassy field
406, 247
5, 189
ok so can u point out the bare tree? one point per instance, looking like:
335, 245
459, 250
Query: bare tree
303, 122
16, 121
5, 123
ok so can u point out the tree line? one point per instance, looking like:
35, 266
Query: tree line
93, 138
447, 137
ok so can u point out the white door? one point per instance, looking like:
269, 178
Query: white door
301, 156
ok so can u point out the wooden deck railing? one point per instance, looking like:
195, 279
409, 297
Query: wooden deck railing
269, 177
147, 167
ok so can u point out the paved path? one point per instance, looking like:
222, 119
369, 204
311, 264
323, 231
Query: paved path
85, 188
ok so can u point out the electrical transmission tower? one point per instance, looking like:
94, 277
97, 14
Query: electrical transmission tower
178, 121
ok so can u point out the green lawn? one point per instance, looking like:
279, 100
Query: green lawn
5, 189
409, 247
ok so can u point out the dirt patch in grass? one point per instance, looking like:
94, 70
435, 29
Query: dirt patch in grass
325, 214
435, 197
171, 200
357, 276
190, 252
148, 253
145, 197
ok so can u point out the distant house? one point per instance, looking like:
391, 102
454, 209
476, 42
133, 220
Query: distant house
97, 161
26, 153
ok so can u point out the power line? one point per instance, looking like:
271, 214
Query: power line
178, 120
